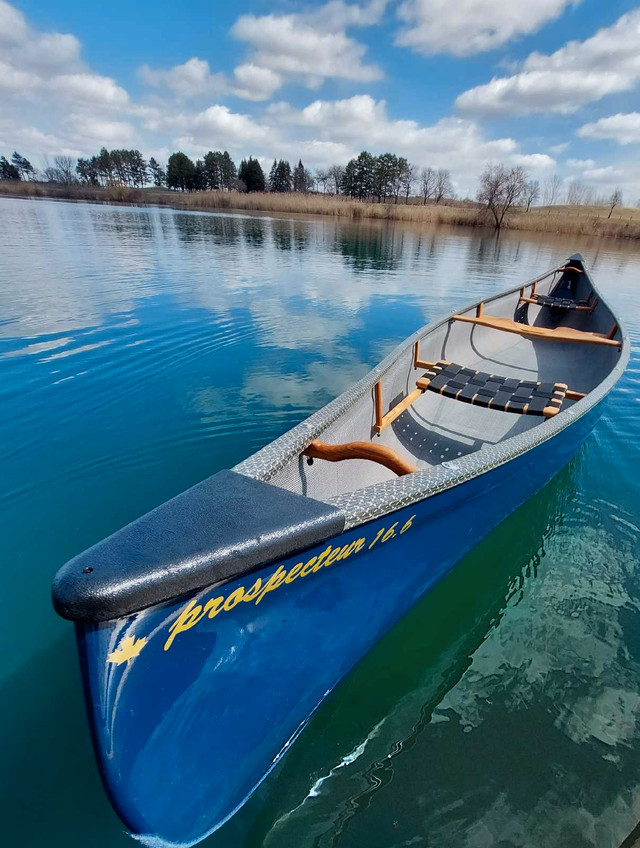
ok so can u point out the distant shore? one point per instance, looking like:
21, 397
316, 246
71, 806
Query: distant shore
577, 220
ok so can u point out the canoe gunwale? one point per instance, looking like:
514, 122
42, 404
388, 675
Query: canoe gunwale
379, 499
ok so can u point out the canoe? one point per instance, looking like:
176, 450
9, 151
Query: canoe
211, 629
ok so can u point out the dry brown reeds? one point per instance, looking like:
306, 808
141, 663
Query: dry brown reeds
577, 220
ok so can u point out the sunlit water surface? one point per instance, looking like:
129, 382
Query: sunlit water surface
142, 350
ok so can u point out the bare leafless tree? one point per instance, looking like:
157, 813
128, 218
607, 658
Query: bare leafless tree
322, 177
65, 168
443, 187
615, 200
427, 184
501, 188
576, 193
552, 190
532, 193
336, 173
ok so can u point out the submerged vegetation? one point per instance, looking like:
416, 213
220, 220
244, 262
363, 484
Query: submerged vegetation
378, 187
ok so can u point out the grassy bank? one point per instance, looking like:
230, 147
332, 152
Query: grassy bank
577, 220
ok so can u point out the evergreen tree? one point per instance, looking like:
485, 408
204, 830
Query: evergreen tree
213, 170
119, 165
348, 179
87, 171
181, 172
157, 173
359, 180
399, 176
25, 168
199, 177
281, 176
252, 174
300, 177
104, 165
273, 176
8, 171
137, 168
384, 171
219, 170
229, 171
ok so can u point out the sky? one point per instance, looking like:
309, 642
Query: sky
551, 85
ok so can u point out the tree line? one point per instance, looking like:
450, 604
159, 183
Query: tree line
383, 179
366, 177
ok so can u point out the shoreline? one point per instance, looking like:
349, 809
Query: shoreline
572, 220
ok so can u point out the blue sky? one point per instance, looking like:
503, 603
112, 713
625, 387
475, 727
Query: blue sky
551, 84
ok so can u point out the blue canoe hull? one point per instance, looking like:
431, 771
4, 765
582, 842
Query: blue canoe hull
225, 679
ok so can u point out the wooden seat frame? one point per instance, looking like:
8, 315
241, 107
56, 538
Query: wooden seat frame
382, 421
533, 296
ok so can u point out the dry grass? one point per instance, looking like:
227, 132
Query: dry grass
576, 220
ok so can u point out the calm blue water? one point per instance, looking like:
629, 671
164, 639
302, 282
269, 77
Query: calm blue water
142, 350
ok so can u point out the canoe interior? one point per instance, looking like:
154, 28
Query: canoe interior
437, 429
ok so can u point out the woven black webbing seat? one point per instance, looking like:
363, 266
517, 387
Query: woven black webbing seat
489, 390
558, 302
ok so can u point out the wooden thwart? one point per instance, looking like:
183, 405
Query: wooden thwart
362, 450
558, 334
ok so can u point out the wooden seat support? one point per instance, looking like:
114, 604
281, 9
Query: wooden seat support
361, 450
558, 334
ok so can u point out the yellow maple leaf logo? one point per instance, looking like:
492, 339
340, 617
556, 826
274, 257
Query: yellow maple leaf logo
129, 648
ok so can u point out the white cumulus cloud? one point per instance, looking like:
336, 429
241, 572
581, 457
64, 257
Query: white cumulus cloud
308, 47
51, 102
361, 122
578, 73
254, 82
471, 26
191, 79
623, 128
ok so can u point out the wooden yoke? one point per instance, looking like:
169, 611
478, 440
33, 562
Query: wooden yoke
361, 450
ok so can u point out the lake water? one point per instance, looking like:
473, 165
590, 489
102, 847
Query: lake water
142, 350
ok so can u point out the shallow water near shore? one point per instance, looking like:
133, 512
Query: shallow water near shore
142, 350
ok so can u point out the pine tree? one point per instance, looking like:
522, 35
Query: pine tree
181, 172
228, 171
282, 176
137, 168
104, 164
300, 177
87, 171
199, 182
157, 173
359, 178
7, 170
273, 176
25, 168
213, 173
252, 174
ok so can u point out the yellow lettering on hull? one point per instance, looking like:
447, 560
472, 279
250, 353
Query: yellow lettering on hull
194, 612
